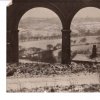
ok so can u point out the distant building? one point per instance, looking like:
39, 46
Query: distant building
94, 52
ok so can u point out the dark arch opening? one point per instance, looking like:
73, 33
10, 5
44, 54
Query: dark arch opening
85, 34
40, 36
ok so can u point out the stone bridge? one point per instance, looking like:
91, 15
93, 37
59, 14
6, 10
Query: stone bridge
65, 9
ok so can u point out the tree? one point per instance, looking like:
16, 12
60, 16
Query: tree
47, 55
49, 47
83, 40
22, 37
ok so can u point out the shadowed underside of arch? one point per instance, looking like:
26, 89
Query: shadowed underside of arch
65, 10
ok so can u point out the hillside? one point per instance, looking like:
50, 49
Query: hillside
42, 27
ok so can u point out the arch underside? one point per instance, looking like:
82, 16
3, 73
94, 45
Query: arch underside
64, 10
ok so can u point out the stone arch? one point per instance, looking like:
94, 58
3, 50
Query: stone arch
78, 10
72, 15
81, 9
65, 10
16, 11
26, 7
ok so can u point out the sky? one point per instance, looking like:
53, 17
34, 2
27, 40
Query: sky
88, 12
40, 12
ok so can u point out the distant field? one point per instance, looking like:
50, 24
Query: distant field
78, 45
39, 44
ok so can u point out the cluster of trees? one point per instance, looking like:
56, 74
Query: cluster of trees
83, 32
28, 37
42, 55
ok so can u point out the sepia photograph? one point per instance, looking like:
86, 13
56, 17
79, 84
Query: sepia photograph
53, 46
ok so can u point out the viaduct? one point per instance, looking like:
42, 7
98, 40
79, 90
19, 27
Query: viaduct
64, 9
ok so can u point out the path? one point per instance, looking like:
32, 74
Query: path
18, 83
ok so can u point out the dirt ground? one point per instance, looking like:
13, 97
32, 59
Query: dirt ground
16, 84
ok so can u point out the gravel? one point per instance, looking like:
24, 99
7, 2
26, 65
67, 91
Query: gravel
35, 69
